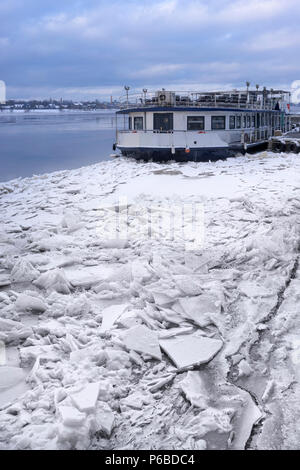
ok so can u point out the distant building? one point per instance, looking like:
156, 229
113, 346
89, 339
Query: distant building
2, 92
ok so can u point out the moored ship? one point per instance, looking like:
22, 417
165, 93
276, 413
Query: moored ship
200, 126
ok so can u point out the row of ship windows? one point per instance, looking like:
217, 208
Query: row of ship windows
197, 123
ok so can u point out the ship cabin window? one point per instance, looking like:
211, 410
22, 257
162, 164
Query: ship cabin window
231, 122
195, 123
217, 123
163, 122
262, 119
248, 121
253, 120
138, 123
130, 123
238, 122
245, 121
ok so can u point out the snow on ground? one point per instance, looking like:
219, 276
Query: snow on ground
110, 341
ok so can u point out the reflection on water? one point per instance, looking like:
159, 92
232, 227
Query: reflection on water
40, 142
105, 119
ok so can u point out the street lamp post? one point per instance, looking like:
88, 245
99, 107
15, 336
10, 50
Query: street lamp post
247, 85
127, 88
145, 94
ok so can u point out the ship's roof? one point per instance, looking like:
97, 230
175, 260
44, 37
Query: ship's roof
145, 109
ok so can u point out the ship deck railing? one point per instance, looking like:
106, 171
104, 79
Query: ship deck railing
206, 104
256, 100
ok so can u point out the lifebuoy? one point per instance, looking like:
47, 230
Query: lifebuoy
187, 150
162, 97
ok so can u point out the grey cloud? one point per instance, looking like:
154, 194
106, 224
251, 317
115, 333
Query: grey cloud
96, 46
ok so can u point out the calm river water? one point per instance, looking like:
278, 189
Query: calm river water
41, 142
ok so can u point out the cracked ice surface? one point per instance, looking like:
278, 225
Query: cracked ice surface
131, 342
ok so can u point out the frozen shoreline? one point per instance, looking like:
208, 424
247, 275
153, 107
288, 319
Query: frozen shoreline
100, 322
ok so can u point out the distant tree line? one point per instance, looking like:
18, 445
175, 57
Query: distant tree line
61, 104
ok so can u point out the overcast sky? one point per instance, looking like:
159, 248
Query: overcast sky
85, 49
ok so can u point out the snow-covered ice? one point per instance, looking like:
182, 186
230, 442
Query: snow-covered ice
10, 376
118, 339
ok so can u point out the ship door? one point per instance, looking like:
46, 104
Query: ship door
257, 120
163, 122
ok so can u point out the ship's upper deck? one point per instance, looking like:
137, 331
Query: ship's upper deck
235, 99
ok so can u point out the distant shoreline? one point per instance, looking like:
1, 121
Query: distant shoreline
58, 111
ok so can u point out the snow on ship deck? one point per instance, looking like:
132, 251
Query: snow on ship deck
101, 323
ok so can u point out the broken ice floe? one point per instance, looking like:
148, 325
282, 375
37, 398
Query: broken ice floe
200, 309
71, 221
30, 303
23, 271
12, 331
253, 289
194, 389
142, 340
246, 418
4, 280
244, 369
104, 419
86, 398
30, 354
87, 277
134, 401
191, 350
54, 281
70, 416
189, 285
110, 315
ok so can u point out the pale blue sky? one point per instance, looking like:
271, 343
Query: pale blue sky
91, 48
